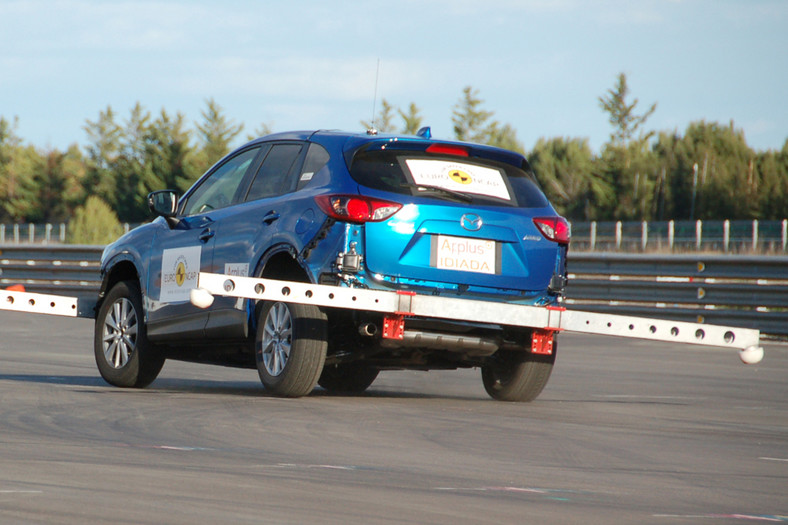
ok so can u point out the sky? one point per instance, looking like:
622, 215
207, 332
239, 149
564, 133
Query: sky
538, 65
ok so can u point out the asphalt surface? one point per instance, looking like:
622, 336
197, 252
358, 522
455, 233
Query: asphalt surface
625, 432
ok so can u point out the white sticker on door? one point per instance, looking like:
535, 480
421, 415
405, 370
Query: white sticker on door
180, 268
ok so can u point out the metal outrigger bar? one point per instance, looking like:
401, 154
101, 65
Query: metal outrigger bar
38, 303
398, 305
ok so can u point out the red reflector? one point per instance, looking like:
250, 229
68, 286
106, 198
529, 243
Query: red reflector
445, 149
554, 228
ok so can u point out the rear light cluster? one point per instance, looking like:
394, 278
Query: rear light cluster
356, 208
554, 228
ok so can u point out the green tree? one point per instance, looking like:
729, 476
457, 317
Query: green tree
621, 114
568, 172
215, 133
412, 120
170, 156
103, 151
472, 124
383, 121
94, 223
627, 160
10, 145
51, 187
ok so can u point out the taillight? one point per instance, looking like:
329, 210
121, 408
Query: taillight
445, 149
554, 228
356, 208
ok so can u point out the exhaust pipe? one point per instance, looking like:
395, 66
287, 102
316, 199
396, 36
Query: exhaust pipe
368, 329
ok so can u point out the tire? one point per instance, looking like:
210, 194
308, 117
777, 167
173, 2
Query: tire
350, 378
517, 375
123, 354
290, 347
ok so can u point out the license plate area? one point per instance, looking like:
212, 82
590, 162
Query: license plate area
464, 254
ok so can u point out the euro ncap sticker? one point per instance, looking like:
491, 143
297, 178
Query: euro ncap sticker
458, 176
180, 268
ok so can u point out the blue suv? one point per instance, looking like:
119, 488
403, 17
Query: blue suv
380, 212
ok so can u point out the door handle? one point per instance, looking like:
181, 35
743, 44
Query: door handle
270, 217
206, 235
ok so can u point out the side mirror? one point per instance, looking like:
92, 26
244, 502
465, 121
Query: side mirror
163, 203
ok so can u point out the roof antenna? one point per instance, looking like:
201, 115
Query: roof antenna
372, 130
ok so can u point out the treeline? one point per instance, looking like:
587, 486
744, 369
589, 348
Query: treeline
709, 172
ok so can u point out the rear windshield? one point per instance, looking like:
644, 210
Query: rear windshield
463, 179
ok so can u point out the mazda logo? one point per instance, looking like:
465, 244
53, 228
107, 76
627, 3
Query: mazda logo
471, 222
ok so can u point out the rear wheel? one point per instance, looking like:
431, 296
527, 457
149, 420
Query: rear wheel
517, 375
290, 347
123, 354
348, 377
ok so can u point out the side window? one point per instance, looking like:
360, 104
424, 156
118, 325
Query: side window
218, 190
271, 178
316, 158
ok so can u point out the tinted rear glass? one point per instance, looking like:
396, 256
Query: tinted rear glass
473, 180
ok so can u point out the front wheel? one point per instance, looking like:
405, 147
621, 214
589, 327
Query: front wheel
517, 375
290, 347
123, 354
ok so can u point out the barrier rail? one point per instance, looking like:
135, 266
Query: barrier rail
747, 291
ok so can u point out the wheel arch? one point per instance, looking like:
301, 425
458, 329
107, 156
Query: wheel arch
122, 268
280, 262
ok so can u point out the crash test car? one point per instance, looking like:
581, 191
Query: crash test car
358, 210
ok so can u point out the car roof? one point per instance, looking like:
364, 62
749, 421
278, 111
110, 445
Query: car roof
352, 141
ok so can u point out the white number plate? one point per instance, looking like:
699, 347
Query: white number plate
463, 254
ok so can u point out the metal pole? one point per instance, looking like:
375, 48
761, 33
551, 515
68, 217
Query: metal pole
694, 189
726, 235
16, 233
618, 235
755, 235
671, 234
785, 233
2, 235
62, 232
643, 235
698, 233
31, 233
49, 233
593, 235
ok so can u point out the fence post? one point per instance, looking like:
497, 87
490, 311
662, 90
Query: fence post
618, 235
593, 236
643, 235
2, 235
16, 233
785, 233
755, 235
31, 233
48, 233
726, 235
698, 233
671, 234
62, 232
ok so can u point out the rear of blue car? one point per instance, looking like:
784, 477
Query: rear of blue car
444, 219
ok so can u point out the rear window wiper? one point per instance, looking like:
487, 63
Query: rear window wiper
438, 190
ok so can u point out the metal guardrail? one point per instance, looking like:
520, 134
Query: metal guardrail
747, 291
64, 270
